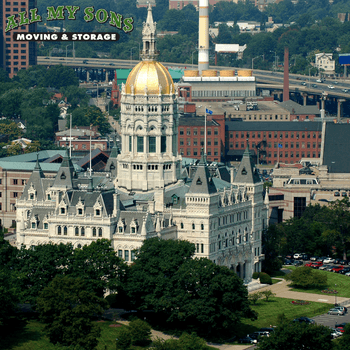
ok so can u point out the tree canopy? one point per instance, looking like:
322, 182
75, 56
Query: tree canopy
67, 307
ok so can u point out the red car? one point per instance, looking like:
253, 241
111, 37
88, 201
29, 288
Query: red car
309, 264
317, 264
337, 269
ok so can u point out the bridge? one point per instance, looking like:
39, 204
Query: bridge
337, 90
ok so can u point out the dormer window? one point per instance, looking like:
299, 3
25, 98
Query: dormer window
199, 181
244, 171
120, 229
133, 230
63, 211
31, 196
97, 212
112, 167
48, 197
33, 225
63, 176
46, 226
80, 211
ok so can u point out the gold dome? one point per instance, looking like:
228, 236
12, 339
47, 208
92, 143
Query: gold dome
150, 74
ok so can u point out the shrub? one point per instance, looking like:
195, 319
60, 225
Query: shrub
256, 275
124, 339
306, 277
141, 332
267, 294
265, 278
254, 297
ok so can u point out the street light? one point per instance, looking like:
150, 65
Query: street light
66, 49
192, 56
275, 59
131, 53
335, 296
309, 76
253, 61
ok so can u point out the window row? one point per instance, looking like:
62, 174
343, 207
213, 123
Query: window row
125, 254
296, 155
193, 226
195, 131
224, 93
281, 135
78, 231
152, 148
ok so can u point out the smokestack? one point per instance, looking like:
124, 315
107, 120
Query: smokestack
203, 42
286, 75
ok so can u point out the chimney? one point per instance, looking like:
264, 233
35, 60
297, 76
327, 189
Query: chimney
203, 41
286, 75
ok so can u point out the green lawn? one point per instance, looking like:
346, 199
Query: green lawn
269, 311
32, 337
342, 282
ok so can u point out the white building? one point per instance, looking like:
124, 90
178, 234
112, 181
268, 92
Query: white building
324, 63
146, 193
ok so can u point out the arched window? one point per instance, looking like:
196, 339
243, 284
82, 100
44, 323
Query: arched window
82, 231
100, 232
59, 230
76, 231
182, 225
65, 230
94, 232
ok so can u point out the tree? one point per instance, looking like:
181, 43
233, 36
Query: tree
8, 295
191, 342
37, 266
254, 297
124, 339
157, 261
61, 76
268, 294
99, 263
140, 332
298, 336
10, 129
85, 116
192, 292
67, 307
306, 277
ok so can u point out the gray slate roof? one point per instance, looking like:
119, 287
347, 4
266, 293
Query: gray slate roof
202, 182
337, 148
246, 172
273, 126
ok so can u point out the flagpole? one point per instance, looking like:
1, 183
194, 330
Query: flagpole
205, 131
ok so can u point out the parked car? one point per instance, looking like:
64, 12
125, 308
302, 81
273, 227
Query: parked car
344, 194
288, 261
345, 90
337, 268
309, 264
347, 274
319, 81
344, 270
323, 267
258, 334
271, 329
330, 267
336, 261
304, 319
314, 258
305, 256
328, 260
248, 340
343, 324
336, 312
303, 83
344, 262
298, 263
297, 256
336, 333
317, 264
336, 194
330, 87
335, 82
341, 308
314, 85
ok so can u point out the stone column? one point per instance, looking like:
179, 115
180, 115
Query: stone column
339, 111
304, 99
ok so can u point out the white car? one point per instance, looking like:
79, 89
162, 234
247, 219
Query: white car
347, 274
330, 87
297, 256
328, 261
345, 90
318, 81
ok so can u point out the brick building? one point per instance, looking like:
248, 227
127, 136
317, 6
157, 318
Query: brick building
285, 142
191, 137
81, 139
16, 55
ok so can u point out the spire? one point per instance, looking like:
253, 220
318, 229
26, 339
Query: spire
65, 174
149, 52
111, 164
202, 181
246, 172
37, 167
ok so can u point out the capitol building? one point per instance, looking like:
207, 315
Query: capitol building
145, 191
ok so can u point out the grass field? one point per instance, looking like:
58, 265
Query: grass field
342, 282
